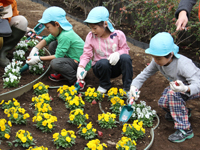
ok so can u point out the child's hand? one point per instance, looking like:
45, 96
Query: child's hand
134, 92
33, 51
114, 58
81, 73
33, 60
178, 86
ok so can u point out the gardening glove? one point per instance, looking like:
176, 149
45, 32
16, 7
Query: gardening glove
134, 92
114, 58
81, 73
33, 60
33, 51
178, 86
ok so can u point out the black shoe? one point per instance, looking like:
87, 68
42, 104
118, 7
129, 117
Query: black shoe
168, 116
181, 135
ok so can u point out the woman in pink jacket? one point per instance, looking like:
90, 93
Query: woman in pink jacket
108, 49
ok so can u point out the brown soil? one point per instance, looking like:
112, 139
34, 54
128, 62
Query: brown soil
150, 92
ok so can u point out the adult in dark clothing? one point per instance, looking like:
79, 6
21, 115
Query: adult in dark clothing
183, 13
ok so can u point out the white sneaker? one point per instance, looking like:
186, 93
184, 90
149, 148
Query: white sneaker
101, 90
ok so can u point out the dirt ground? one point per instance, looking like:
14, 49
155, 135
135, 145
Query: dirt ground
150, 92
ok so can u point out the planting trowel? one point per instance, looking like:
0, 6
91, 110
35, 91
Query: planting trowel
126, 112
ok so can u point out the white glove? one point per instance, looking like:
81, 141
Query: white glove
81, 73
33, 51
180, 87
33, 60
134, 92
114, 58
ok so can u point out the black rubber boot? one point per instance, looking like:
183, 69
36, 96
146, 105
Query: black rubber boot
9, 43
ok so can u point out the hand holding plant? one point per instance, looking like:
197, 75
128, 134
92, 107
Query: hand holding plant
65, 140
95, 145
126, 144
107, 120
134, 131
23, 138
87, 132
77, 117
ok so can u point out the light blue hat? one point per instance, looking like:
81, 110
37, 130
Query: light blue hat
99, 14
162, 44
56, 14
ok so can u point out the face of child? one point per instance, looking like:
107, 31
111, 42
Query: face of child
162, 61
99, 31
54, 30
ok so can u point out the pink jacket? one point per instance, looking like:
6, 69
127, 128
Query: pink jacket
101, 48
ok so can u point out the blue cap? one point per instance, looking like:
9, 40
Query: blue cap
98, 14
57, 14
162, 44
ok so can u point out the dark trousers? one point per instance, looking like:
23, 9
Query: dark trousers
67, 67
103, 70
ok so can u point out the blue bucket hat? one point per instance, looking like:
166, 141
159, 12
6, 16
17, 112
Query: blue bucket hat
99, 14
162, 44
56, 14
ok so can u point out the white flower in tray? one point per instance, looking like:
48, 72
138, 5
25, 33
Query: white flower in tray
22, 45
11, 80
143, 113
19, 55
32, 42
37, 69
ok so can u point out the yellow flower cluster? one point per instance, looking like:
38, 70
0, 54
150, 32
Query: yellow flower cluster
37, 148
41, 98
88, 127
90, 92
137, 125
76, 112
95, 145
40, 86
114, 92
67, 93
116, 99
4, 127
16, 110
76, 100
24, 135
123, 143
68, 135
43, 107
106, 117
46, 119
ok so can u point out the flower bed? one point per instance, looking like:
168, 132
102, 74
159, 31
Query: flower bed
107, 137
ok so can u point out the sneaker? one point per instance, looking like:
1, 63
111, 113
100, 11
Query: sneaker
168, 116
56, 77
79, 84
101, 90
181, 135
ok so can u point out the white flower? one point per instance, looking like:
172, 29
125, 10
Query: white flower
147, 115
143, 103
133, 115
138, 110
153, 112
34, 69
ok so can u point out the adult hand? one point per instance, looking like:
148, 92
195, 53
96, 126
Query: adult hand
182, 20
114, 58
33, 60
33, 51
178, 86
134, 92
81, 73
